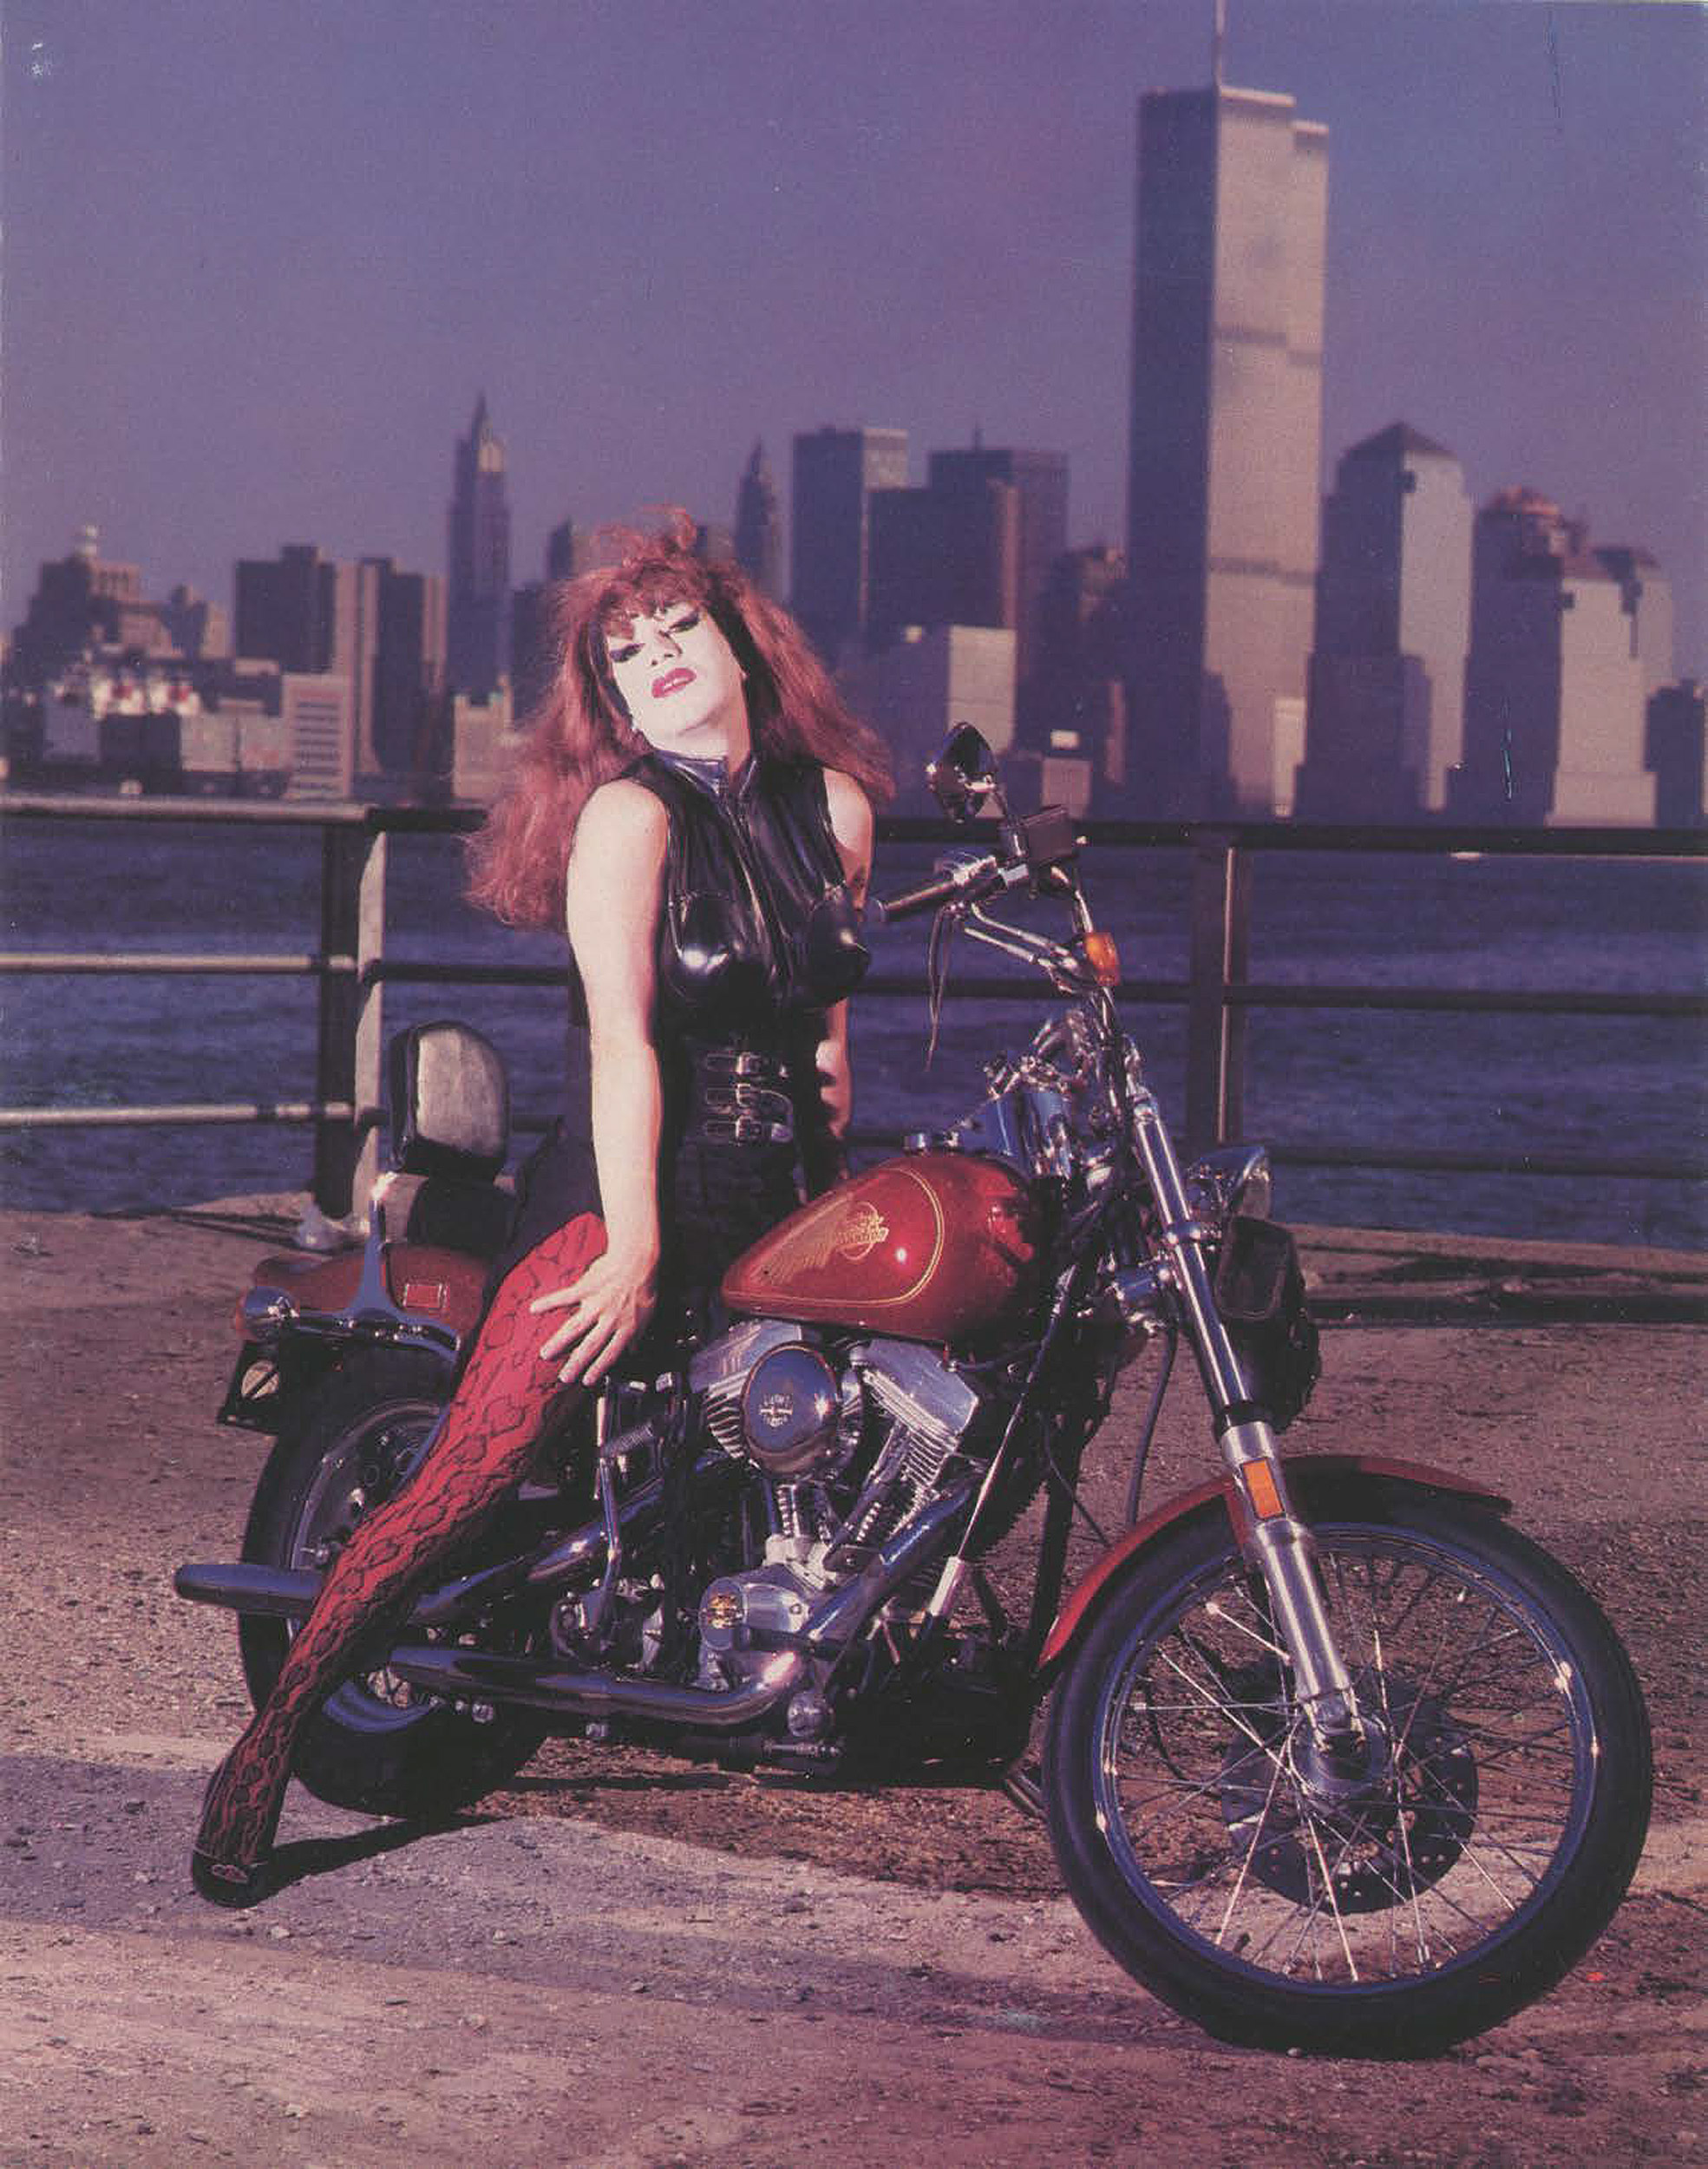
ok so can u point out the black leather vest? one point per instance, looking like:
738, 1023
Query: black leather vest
757, 937
756, 921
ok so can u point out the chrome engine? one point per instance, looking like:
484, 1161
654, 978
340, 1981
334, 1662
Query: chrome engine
853, 1447
771, 1396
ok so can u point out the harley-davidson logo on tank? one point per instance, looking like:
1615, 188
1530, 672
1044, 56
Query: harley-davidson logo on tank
935, 1247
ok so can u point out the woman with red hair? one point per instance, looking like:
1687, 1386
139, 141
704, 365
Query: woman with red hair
694, 805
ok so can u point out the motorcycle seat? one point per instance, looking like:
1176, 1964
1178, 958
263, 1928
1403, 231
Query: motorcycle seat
439, 1210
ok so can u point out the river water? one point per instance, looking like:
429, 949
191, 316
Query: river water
1505, 1082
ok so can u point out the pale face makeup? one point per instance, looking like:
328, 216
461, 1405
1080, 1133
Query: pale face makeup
680, 682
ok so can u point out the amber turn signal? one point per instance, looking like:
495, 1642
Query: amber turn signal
1102, 956
1265, 1493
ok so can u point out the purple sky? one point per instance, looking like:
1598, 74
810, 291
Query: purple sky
259, 259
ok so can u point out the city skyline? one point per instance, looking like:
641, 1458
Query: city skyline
954, 251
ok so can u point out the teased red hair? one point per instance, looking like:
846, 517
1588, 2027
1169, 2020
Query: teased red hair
580, 736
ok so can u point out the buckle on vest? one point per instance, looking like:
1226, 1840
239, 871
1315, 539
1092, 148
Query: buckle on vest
743, 1130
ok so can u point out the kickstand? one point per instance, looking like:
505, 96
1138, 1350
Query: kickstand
1020, 1782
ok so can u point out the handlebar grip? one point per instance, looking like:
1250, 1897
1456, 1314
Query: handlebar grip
929, 896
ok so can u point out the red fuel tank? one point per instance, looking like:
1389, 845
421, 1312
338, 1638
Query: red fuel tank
934, 1246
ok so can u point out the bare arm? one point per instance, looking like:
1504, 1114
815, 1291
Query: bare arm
615, 879
851, 823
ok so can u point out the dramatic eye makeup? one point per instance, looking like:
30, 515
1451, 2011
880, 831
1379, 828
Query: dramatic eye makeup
623, 647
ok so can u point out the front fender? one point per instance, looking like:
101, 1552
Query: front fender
1315, 1482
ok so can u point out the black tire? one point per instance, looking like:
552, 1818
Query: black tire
1456, 1888
377, 1746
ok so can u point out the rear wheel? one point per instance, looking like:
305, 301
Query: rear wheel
378, 1745
1482, 1846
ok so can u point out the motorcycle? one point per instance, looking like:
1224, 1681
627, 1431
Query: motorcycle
1332, 1757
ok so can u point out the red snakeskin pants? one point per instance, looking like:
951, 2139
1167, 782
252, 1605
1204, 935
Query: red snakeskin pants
483, 1446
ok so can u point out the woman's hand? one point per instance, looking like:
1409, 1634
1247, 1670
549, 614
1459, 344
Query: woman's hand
606, 1308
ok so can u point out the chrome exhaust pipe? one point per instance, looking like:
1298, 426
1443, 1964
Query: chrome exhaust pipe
471, 1675
261, 1592
288, 1592
457, 1674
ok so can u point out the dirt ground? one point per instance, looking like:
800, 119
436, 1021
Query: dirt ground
626, 1959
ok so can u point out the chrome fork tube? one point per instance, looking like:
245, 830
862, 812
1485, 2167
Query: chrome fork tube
1276, 1542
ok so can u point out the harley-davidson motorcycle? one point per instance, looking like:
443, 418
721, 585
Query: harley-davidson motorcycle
1329, 1755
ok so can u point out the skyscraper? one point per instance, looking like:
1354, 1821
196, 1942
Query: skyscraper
80, 601
565, 552
1386, 716
916, 689
1555, 681
1648, 597
1079, 706
379, 630
320, 734
759, 525
1040, 481
406, 738
1226, 434
570, 552
1676, 751
478, 598
317, 621
943, 556
835, 472
287, 608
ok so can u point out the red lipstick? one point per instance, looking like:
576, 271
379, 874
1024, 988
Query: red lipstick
671, 681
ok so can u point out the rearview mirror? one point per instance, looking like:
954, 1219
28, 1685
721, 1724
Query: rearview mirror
964, 778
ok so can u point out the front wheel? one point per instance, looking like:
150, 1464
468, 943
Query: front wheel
378, 1745
1480, 1849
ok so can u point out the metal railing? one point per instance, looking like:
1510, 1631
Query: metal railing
352, 968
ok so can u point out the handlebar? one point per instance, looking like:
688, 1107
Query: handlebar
976, 879
1034, 849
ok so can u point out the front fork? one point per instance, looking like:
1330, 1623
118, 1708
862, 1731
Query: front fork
1273, 1537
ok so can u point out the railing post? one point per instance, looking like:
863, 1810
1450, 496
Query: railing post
1236, 966
370, 1092
1215, 1033
351, 1024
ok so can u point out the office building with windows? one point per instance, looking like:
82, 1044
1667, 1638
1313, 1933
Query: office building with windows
1557, 678
478, 585
836, 473
1226, 426
758, 530
1385, 721
1039, 482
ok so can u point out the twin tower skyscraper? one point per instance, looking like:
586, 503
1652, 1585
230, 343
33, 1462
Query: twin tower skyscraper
1224, 445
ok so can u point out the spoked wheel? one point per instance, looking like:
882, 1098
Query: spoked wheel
378, 1745
1386, 1905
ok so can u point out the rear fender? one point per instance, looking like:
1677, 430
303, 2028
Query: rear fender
440, 1291
425, 1280
1317, 1483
